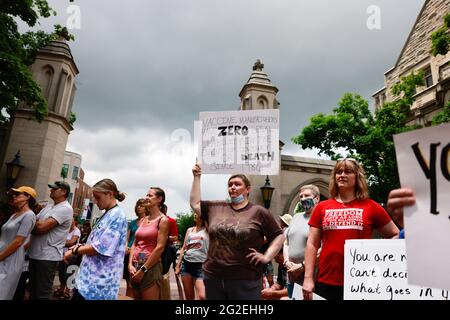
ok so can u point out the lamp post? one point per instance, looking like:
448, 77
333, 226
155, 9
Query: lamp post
267, 191
13, 169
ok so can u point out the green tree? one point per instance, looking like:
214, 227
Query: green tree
185, 220
440, 39
363, 135
17, 53
443, 116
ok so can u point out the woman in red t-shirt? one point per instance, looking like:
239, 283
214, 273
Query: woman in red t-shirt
348, 214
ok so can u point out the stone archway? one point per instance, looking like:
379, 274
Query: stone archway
293, 198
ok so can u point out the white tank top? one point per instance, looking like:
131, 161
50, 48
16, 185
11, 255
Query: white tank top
197, 244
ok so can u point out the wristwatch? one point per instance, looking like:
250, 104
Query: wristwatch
144, 269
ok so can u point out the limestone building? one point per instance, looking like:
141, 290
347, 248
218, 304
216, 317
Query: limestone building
42, 145
416, 55
295, 172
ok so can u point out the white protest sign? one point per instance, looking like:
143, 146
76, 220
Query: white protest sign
377, 270
423, 158
297, 293
239, 142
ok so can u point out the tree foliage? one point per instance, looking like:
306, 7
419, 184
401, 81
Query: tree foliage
364, 135
17, 53
440, 39
185, 220
443, 116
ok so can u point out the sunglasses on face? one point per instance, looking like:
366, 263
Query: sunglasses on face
16, 194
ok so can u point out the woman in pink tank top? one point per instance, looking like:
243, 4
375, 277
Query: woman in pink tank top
145, 255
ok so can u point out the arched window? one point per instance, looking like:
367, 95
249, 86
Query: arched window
45, 80
262, 102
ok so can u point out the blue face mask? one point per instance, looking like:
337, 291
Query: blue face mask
237, 199
307, 203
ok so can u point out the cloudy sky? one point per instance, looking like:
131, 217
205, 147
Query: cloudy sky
148, 67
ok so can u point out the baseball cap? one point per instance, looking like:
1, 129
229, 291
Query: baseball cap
60, 184
28, 190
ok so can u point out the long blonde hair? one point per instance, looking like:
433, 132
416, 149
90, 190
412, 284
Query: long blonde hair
361, 187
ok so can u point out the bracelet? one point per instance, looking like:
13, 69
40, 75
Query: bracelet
75, 251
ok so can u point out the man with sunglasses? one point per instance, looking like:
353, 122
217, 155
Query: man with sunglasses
48, 240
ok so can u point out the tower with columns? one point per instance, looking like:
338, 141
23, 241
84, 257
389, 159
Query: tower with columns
42, 145
294, 172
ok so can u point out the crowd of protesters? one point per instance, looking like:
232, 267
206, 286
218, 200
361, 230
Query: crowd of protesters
227, 254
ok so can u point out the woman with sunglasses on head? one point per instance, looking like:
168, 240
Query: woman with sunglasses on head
233, 267
102, 266
145, 255
348, 214
14, 233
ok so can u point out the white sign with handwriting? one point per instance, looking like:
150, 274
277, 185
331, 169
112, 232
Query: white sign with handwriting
423, 158
239, 142
376, 270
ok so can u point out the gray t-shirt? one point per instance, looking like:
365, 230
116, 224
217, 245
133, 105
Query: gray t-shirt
49, 246
297, 235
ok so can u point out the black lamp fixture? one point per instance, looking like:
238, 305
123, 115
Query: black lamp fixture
267, 191
13, 169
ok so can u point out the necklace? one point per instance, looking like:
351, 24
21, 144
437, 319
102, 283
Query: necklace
98, 221
152, 219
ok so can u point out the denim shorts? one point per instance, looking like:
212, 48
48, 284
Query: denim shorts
193, 269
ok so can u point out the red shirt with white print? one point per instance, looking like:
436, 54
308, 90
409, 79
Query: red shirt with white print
339, 222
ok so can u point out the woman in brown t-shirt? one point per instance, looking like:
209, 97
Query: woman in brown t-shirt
233, 267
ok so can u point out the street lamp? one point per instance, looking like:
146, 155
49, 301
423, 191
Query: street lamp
13, 169
267, 191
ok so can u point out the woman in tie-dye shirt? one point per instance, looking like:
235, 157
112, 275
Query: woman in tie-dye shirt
102, 265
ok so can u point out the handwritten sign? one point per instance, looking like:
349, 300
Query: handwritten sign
423, 158
239, 142
297, 293
377, 270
